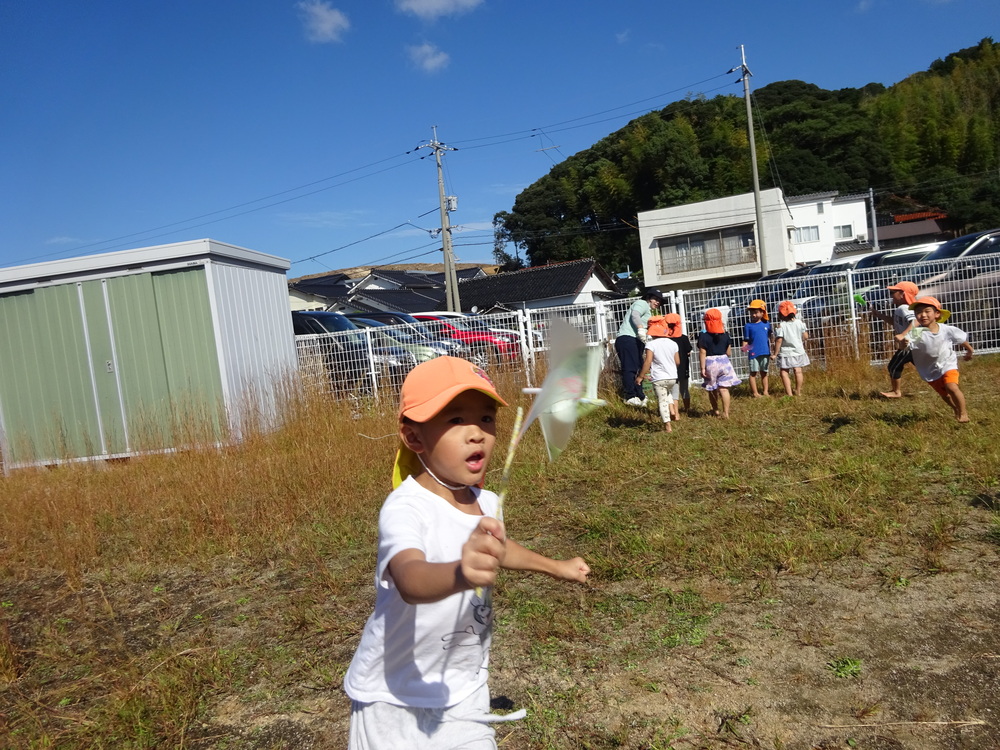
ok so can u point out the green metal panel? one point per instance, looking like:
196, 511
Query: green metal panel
192, 362
104, 376
142, 374
45, 383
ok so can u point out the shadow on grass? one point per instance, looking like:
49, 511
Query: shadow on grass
901, 420
837, 422
987, 501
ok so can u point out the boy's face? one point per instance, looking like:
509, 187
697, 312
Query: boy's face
756, 314
457, 442
926, 314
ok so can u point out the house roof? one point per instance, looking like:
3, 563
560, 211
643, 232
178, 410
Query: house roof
398, 300
333, 286
538, 282
405, 280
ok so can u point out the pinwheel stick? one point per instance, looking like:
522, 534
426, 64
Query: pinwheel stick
515, 439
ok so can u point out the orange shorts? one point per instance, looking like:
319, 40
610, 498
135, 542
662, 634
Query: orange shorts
949, 377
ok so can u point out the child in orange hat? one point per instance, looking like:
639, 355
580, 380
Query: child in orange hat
418, 678
660, 362
932, 344
717, 371
757, 345
790, 336
675, 332
901, 319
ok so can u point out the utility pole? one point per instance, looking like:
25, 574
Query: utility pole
871, 202
448, 203
759, 233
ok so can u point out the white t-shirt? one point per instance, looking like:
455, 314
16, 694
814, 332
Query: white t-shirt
902, 316
934, 353
423, 655
790, 332
663, 366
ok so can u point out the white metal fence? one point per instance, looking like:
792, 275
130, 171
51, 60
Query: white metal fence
371, 361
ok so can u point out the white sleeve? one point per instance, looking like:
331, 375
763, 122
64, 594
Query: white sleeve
400, 527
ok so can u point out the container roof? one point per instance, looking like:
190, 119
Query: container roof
134, 261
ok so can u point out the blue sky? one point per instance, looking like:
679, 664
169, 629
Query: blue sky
289, 127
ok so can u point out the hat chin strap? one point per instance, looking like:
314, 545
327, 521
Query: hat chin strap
452, 487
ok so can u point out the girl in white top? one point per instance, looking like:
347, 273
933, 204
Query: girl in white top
790, 336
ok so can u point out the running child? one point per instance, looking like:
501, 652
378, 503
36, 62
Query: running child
901, 319
419, 677
933, 346
757, 345
790, 336
660, 362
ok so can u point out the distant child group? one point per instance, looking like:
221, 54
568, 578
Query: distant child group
918, 324
667, 351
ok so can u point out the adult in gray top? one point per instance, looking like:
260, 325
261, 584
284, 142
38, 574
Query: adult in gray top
630, 344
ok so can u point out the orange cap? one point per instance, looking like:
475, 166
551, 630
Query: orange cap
713, 321
673, 321
758, 304
787, 308
909, 290
657, 326
428, 388
932, 301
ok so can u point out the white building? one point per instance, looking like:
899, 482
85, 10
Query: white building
712, 242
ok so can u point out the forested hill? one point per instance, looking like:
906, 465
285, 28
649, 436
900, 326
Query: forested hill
930, 141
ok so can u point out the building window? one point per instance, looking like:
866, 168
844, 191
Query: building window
693, 252
819, 208
806, 234
843, 232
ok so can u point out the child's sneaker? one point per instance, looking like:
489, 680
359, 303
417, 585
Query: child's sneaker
635, 401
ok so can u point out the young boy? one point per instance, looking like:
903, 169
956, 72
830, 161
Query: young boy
932, 344
418, 678
757, 345
904, 294
661, 360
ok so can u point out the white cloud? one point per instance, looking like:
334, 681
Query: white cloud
864, 6
63, 241
428, 57
431, 9
622, 36
323, 23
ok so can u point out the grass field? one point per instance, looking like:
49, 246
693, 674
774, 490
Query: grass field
817, 572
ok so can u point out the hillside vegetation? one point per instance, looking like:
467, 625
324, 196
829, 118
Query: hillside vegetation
930, 141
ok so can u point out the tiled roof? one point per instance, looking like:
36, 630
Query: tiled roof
920, 215
331, 286
400, 300
406, 280
528, 284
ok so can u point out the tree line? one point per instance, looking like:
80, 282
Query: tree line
929, 142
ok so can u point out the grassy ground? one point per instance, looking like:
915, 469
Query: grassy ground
814, 572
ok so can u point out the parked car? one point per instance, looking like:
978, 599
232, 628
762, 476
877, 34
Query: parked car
934, 267
501, 346
418, 328
479, 323
346, 355
385, 335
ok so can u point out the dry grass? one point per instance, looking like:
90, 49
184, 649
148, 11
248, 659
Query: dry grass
174, 584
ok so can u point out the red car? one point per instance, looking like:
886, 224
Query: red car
499, 345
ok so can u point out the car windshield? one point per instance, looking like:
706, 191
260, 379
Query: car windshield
952, 248
337, 324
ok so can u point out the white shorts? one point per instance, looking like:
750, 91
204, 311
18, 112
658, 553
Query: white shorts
384, 726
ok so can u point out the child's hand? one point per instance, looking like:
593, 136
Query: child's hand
968, 354
572, 570
483, 553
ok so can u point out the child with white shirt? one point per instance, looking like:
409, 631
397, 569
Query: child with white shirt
660, 362
419, 677
932, 344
